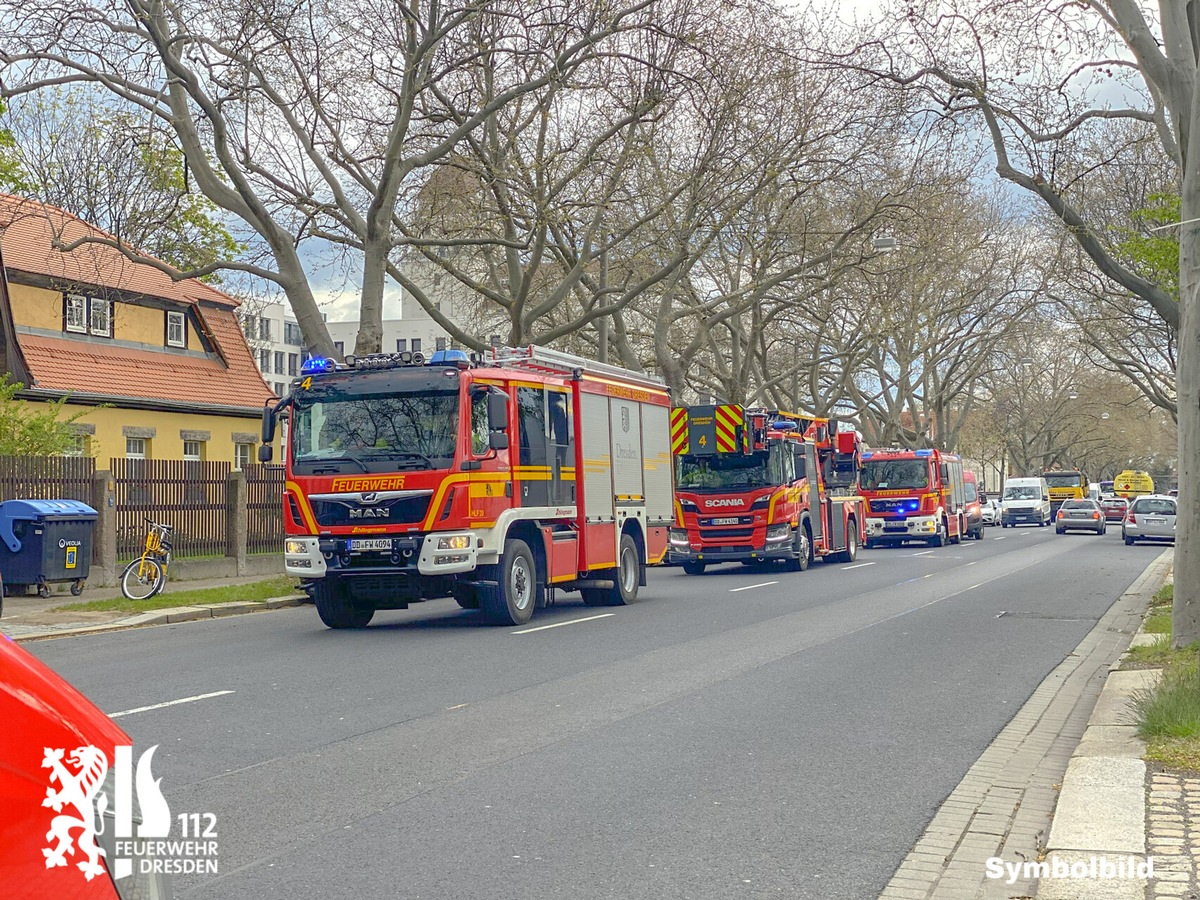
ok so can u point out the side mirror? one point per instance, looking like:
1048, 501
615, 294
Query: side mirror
265, 452
498, 440
944, 470
268, 426
497, 411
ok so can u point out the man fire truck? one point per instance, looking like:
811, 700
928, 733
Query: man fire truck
492, 481
755, 486
913, 495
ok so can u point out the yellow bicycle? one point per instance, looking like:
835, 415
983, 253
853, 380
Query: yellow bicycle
147, 575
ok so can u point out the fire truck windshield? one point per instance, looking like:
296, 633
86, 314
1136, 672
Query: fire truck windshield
730, 471
894, 474
343, 432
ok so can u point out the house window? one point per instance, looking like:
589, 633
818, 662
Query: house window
292, 335
494, 340
135, 448
101, 321
264, 361
77, 446
75, 314
439, 343
242, 454
264, 329
176, 329
279, 388
416, 344
293, 364
401, 344
193, 450
340, 347
278, 362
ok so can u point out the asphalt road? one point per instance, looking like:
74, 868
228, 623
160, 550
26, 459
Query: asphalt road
738, 734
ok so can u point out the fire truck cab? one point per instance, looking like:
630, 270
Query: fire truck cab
494, 481
757, 486
914, 495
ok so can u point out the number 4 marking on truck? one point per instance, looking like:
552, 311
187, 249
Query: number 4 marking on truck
307, 383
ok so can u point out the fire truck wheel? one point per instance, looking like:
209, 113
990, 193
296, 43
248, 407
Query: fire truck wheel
693, 567
336, 609
804, 552
851, 552
625, 578
512, 602
941, 539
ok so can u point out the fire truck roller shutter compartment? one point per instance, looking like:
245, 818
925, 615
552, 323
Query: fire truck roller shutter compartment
656, 461
597, 458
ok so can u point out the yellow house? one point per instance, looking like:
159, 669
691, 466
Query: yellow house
163, 363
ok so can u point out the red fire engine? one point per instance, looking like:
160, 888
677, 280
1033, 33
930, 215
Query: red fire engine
492, 481
913, 495
757, 486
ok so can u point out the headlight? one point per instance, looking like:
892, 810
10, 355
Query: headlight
678, 537
779, 532
687, 505
454, 542
294, 547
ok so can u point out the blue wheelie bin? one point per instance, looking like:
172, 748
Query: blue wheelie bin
46, 542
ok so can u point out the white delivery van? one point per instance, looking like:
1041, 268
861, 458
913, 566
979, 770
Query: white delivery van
1025, 500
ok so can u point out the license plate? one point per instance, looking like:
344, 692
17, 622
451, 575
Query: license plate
724, 521
375, 544
1155, 520
895, 526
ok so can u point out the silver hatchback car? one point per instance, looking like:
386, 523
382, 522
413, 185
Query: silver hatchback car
1150, 517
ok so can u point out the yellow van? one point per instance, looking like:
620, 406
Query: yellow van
1133, 483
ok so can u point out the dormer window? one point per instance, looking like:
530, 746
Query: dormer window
87, 315
176, 329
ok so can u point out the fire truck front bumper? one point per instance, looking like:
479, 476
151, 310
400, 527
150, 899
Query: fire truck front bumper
901, 529
778, 545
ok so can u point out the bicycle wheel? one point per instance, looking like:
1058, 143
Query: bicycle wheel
143, 578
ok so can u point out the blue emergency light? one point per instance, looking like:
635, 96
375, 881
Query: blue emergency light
317, 365
449, 358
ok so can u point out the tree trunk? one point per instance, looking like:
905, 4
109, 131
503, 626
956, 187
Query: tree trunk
1185, 612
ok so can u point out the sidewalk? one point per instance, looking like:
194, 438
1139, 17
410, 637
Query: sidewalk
32, 618
1008, 809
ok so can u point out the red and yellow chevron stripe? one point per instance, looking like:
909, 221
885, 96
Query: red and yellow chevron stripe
679, 431
729, 418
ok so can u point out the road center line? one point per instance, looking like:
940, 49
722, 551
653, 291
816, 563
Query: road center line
561, 624
130, 712
751, 587
856, 566
923, 553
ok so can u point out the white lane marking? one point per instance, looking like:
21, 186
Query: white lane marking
856, 566
923, 553
561, 624
130, 712
751, 587
999, 537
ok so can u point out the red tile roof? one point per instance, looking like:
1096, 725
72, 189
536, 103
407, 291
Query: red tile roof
29, 230
93, 369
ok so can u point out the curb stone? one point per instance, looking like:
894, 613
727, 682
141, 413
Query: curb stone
1003, 806
165, 616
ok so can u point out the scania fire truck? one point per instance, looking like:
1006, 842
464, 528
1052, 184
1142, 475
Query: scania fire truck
756, 486
494, 480
913, 495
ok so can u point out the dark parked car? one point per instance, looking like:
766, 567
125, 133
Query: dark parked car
1080, 515
1114, 508
1151, 517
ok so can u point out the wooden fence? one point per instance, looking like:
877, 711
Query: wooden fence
46, 478
188, 495
264, 508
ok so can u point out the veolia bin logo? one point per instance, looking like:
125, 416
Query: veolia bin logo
84, 815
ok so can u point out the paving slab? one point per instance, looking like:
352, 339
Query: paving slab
1112, 740
1101, 808
1112, 708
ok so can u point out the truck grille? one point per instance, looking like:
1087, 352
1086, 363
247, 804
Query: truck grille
898, 506
399, 511
726, 533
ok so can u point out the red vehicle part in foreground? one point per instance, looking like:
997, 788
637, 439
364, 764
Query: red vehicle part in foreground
39, 710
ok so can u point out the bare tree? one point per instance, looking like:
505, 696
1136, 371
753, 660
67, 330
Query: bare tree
1032, 75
